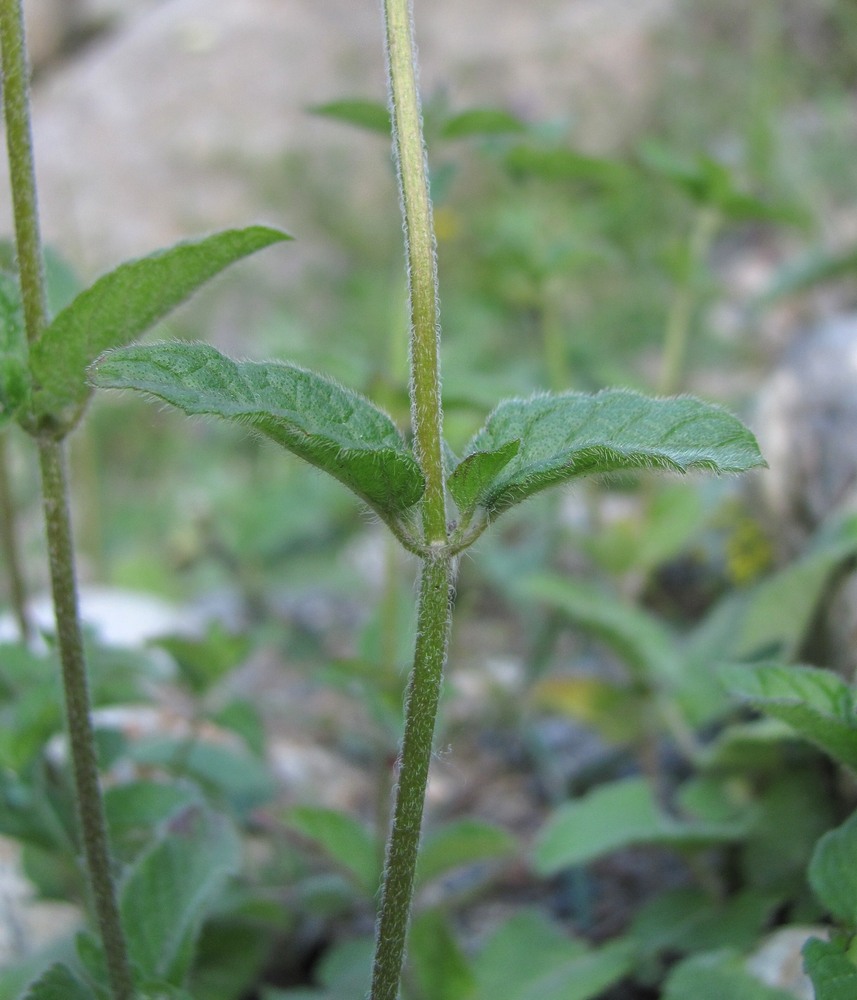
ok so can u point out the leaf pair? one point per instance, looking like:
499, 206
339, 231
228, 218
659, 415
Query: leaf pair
526, 445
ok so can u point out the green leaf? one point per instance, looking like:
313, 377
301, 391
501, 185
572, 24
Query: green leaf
817, 703
518, 953
120, 307
168, 892
481, 121
688, 920
568, 165
14, 378
833, 871
618, 815
529, 958
460, 843
717, 976
374, 116
472, 477
833, 975
572, 434
239, 777
142, 805
647, 646
204, 661
59, 983
437, 961
344, 839
327, 425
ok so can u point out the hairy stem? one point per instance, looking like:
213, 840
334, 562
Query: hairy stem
422, 267
16, 106
11, 548
78, 717
433, 618
19, 145
420, 713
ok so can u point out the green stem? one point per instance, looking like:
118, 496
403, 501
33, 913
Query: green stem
11, 552
81, 736
422, 266
433, 617
677, 334
16, 106
421, 710
19, 144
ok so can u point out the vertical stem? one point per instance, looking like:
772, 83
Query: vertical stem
433, 618
16, 106
80, 731
420, 712
19, 145
681, 310
422, 265
11, 551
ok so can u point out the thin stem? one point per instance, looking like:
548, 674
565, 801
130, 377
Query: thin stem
19, 144
90, 807
81, 737
677, 334
11, 548
422, 265
433, 617
420, 712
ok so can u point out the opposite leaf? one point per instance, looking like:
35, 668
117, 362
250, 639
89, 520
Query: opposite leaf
833, 974
59, 983
120, 307
329, 426
572, 434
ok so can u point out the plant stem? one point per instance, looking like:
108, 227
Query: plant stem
16, 106
11, 552
677, 333
420, 712
433, 616
422, 265
19, 144
80, 730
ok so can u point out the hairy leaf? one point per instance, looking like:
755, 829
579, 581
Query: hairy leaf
817, 703
120, 307
317, 419
833, 871
618, 815
472, 477
572, 434
168, 892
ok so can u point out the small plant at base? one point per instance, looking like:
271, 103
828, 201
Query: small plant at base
435, 504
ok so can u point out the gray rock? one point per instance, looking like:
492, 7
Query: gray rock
805, 420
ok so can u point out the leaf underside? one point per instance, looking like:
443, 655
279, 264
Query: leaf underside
312, 416
563, 436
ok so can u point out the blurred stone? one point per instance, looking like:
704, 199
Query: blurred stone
182, 118
778, 961
805, 419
